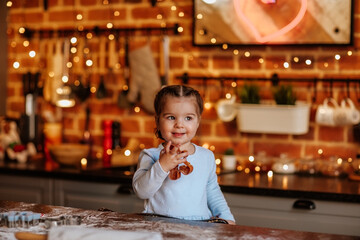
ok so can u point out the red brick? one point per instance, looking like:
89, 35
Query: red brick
88, 2
275, 62
349, 62
176, 62
223, 62
226, 129
62, 16
204, 129
331, 134
251, 62
343, 151
301, 63
130, 125
199, 62
275, 149
310, 135
209, 114
150, 126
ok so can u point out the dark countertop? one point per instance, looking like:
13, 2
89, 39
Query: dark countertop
168, 227
292, 186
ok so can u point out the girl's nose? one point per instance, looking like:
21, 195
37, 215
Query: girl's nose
179, 123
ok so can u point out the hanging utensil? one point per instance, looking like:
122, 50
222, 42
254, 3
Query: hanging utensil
164, 60
57, 69
123, 102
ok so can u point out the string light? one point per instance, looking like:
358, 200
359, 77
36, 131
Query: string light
73, 40
9, 4
109, 25
261, 60
286, 65
26, 43
21, 30
180, 29
32, 53
173, 8
213, 40
137, 109
181, 14
236, 52
308, 62
116, 13
199, 16
296, 59
337, 56
79, 17
247, 54
349, 53
159, 17
16, 65
89, 62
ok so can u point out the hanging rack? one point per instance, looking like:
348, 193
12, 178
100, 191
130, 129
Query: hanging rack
274, 79
49, 33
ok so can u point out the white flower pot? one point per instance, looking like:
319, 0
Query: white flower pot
272, 118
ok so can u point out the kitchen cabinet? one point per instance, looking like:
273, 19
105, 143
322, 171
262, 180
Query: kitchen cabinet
26, 189
96, 195
85, 195
278, 212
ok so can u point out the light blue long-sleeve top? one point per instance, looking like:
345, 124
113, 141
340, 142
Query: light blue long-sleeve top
196, 196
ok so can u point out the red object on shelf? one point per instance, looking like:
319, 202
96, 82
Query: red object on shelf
107, 143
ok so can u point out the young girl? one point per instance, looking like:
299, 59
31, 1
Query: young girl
178, 178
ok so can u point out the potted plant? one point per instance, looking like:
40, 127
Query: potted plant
229, 161
285, 115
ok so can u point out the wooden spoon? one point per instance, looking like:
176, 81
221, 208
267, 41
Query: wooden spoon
30, 236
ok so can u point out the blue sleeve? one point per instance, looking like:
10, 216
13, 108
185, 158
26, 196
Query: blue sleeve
216, 200
149, 176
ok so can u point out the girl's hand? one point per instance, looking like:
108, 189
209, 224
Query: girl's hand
231, 222
171, 156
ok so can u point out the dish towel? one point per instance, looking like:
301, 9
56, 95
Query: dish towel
84, 233
145, 79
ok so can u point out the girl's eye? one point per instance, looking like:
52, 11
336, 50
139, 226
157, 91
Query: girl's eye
188, 118
171, 117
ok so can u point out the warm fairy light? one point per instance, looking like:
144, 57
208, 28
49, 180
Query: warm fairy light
116, 13
270, 173
86, 50
296, 59
205, 145
180, 29
285, 167
109, 25
16, 65
105, 2
125, 87
79, 16
228, 95
247, 170
199, 16
127, 152
13, 44
320, 151
349, 53
9, 4
337, 57
308, 62
236, 52
159, 16
65, 79
350, 160
142, 146
261, 60
89, 63
247, 54
233, 84
173, 8
257, 169
32, 53
251, 158
21, 30
109, 151
77, 83
212, 148
73, 40
339, 161
137, 109
83, 163
117, 65
286, 65
224, 46
217, 161
76, 59
93, 89
69, 64
80, 28
326, 64
73, 50
89, 36
111, 37
208, 105
213, 40
51, 74
181, 14
26, 43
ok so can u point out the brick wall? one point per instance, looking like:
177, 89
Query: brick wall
183, 58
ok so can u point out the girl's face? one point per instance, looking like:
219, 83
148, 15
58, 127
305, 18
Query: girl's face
179, 120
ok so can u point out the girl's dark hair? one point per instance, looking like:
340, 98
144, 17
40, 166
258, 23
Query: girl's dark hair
174, 91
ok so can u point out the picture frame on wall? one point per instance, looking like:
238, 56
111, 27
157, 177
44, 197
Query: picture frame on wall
273, 22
